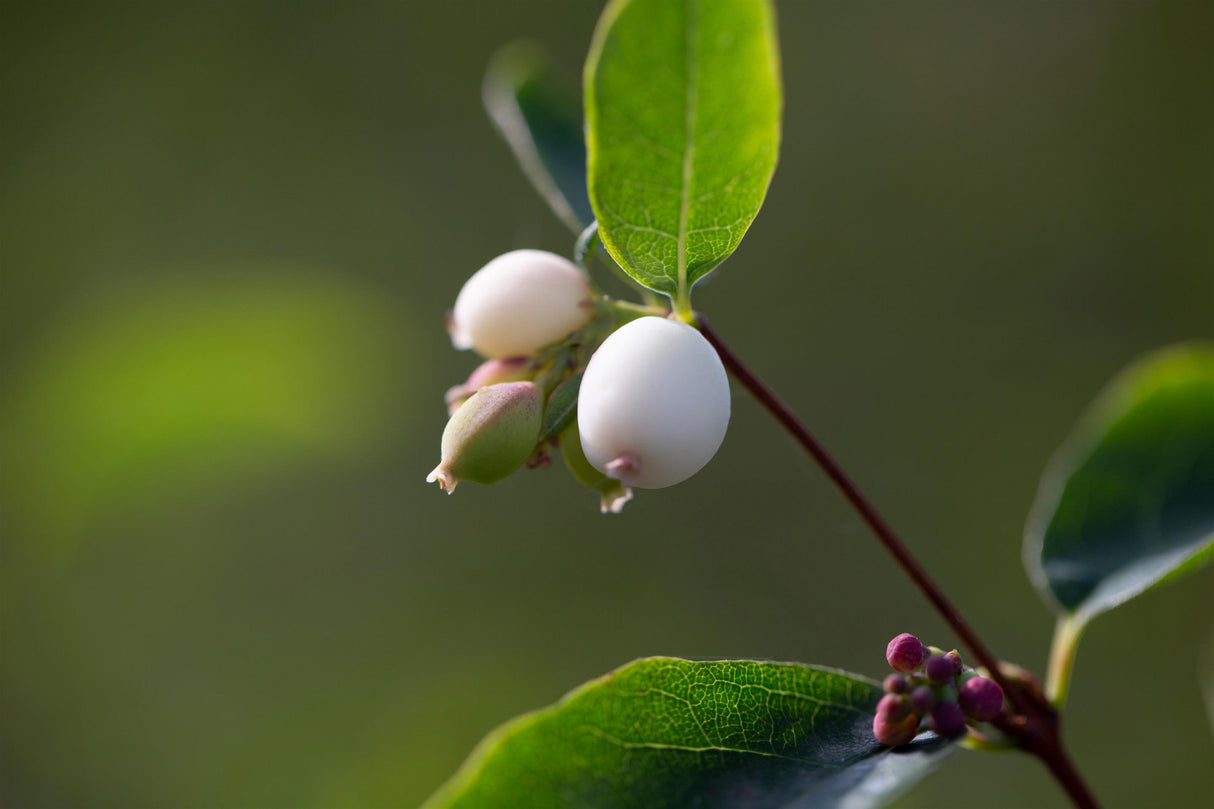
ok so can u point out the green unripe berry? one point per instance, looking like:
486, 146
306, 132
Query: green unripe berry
613, 494
491, 435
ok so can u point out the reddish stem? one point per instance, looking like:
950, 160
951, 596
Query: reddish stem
1038, 731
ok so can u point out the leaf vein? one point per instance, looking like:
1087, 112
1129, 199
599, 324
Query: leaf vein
627, 745
690, 99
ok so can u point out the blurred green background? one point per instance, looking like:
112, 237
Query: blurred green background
229, 233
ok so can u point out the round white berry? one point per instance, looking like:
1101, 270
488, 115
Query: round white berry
520, 302
654, 403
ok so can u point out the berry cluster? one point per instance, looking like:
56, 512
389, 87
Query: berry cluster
631, 399
935, 685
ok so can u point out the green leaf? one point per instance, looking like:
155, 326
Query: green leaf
663, 732
542, 124
561, 409
1128, 502
682, 132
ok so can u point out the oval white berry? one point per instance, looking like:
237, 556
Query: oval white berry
520, 302
654, 404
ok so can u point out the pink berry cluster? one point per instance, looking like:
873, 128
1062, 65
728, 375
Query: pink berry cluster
935, 685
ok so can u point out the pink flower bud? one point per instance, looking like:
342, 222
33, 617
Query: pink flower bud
896, 684
981, 699
947, 720
923, 699
893, 708
939, 670
895, 733
490, 372
905, 653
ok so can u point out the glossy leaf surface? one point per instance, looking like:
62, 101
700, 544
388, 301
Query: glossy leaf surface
1129, 500
664, 732
682, 132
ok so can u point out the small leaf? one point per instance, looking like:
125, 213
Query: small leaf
682, 132
542, 124
1129, 500
562, 407
663, 732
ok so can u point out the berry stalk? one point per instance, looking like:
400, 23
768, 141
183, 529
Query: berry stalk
1037, 720
885, 534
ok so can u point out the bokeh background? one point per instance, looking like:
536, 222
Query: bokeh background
230, 231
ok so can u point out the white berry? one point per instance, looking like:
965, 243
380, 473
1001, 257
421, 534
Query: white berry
520, 302
654, 404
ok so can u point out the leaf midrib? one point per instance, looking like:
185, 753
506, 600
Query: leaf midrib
712, 748
690, 99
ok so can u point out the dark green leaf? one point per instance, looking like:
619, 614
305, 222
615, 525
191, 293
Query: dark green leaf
682, 132
543, 125
562, 407
1129, 500
663, 732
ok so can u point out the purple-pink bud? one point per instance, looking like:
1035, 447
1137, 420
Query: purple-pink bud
893, 708
494, 372
981, 699
923, 699
947, 719
896, 684
905, 653
490, 372
895, 733
939, 670
955, 657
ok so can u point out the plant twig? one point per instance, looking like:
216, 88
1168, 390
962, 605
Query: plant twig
1055, 759
783, 414
1037, 727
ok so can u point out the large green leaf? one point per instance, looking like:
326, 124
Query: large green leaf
663, 732
682, 132
1129, 500
543, 125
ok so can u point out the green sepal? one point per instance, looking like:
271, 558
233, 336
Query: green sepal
561, 409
